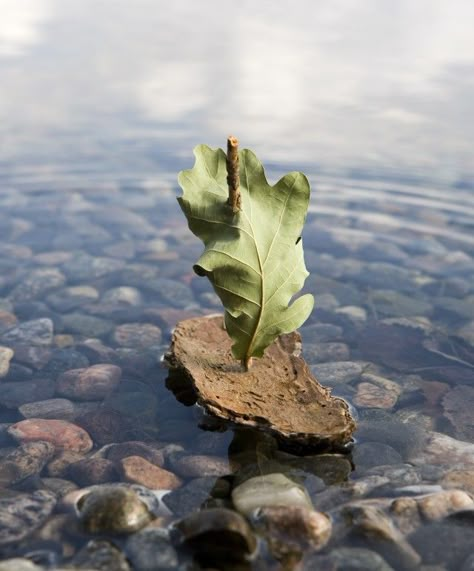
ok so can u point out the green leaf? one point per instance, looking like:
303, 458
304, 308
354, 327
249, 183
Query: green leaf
254, 258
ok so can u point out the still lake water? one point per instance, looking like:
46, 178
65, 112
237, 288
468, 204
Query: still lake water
101, 104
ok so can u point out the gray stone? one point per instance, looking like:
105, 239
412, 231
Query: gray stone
348, 559
151, 550
16, 394
395, 304
137, 335
19, 564
321, 333
37, 283
171, 292
123, 295
322, 352
269, 490
50, 408
101, 555
34, 332
22, 514
190, 497
86, 325
71, 298
340, 372
5, 357
84, 268
64, 359
369, 454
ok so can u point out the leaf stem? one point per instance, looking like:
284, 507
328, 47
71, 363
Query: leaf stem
233, 176
246, 363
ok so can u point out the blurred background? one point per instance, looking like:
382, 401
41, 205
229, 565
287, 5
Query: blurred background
113, 91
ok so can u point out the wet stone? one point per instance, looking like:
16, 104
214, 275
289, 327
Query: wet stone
34, 332
59, 466
377, 392
36, 284
135, 448
269, 490
367, 455
31, 356
462, 478
99, 554
443, 543
458, 405
394, 304
58, 486
216, 536
123, 295
90, 471
22, 514
322, 352
86, 325
137, 470
62, 434
191, 496
61, 409
151, 550
6, 355
19, 564
171, 292
137, 335
64, 359
113, 509
84, 268
321, 333
25, 461
438, 506
16, 394
195, 466
340, 372
106, 426
71, 298
292, 530
348, 559
93, 383
7, 319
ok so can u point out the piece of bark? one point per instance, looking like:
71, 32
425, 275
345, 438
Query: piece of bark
278, 394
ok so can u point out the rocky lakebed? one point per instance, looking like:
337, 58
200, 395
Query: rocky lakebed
102, 468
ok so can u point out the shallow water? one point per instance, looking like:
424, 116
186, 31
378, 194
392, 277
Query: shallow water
101, 108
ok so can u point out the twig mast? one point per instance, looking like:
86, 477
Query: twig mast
233, 175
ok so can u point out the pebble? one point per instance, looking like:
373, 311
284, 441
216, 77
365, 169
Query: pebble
59, 466
63, 359
34, 357
92, 383
105, 426
395, 304
367, 455
60, 409
59, 486
73, 297
25, 461
151, 550
377, 392
348, 559
195, 466
371, 523
323, 352
441, 449
61, 433
290, 529
83, 268
15, 394
217, 537
137, 335
193, 494
37, 283
90, 471
458, 404
21, 514
171, 292
321, 333
34, 332
19, 564
123, 295
269, 490
6, 355
459, 478
86, 325
437, 506
100, 554
113, 509
339, 372
137, 470
117, 452
7, 319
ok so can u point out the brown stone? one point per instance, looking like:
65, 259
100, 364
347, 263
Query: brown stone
200, 465
135, 448
137, 470
90, 471
278, 393
64, 435
91, 383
